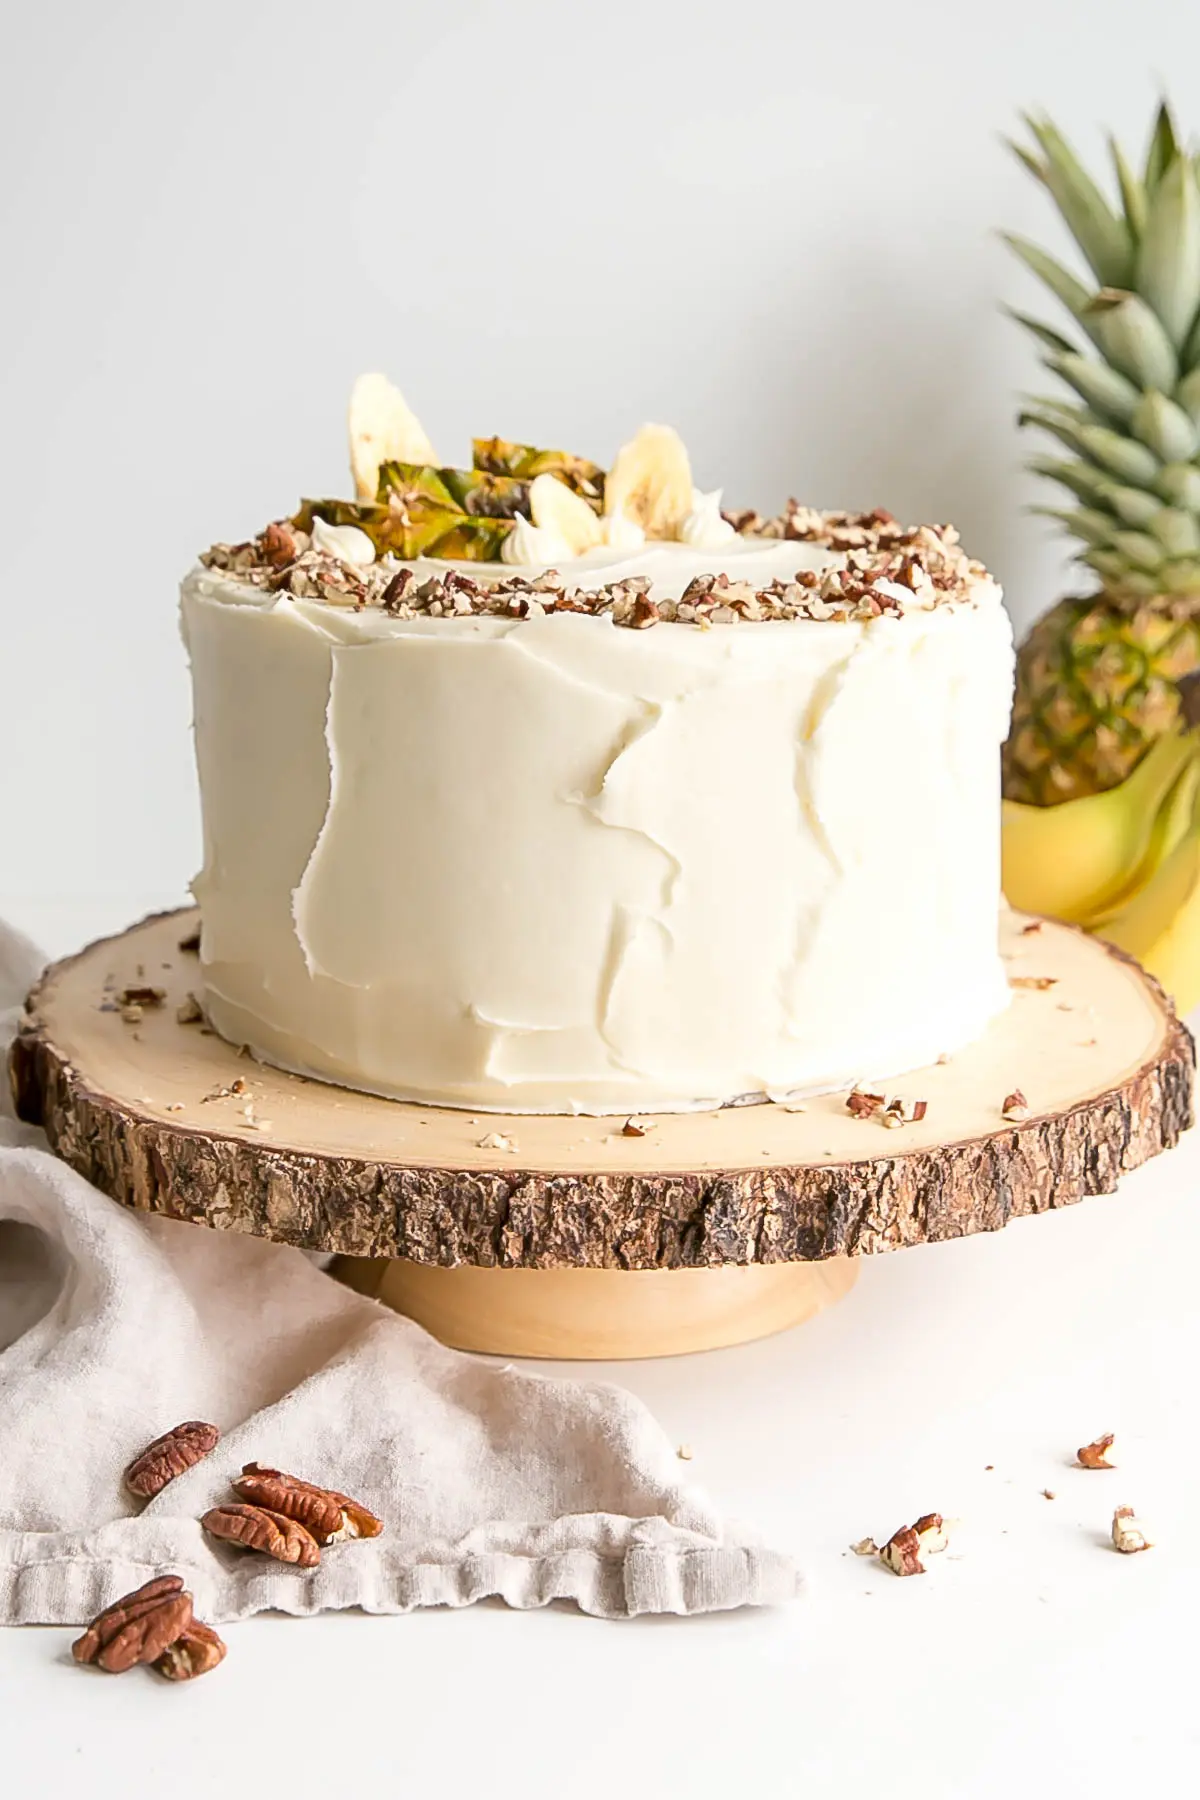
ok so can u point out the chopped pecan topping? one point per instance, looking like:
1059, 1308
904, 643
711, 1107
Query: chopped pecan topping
1015, 1107
865, 1547
258, 1528
279, 546
137, 1628
875, 566
169, 1455
1033, 926
904, 1549
1097, 1454
138, 994
862, 1105
497, 1140
1129, 1533
329, 1517
902, 1552
189, 1011
931, 1533
899, 1112
195, 1652
1040, 982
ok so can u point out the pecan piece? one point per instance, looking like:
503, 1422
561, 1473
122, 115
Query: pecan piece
137, 1628
862, 1104
902, 1552
1096, 1455
169, 1455
197, 1651
1129, 1533
259, 1528
904, 1549
330, 1517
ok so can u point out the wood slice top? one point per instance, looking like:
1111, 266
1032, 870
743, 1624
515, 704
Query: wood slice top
169, 1118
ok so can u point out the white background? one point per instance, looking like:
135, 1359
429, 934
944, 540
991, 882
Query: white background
769, 224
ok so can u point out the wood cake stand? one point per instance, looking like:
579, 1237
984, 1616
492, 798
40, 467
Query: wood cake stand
710, 1229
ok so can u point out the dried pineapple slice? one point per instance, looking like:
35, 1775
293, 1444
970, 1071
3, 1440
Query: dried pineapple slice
382, 429
651, 482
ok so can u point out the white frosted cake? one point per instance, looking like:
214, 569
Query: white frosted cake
530, 789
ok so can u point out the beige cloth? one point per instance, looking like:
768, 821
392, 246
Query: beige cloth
491, 1480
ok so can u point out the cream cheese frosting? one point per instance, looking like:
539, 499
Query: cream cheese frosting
545, 864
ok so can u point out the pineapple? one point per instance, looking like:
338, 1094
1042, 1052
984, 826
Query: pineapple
1095, 676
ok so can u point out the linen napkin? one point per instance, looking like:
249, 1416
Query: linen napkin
492, 1481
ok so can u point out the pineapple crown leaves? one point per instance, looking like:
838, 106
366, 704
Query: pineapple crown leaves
1133, 422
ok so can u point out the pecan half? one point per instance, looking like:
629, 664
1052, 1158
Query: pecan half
260, 1528
197, 1651
137, 1628
169, 1455
329, 1516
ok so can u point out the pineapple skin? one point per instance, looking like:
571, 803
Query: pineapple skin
1095, 687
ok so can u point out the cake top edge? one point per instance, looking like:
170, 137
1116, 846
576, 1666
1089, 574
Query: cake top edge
525, 529
866, 565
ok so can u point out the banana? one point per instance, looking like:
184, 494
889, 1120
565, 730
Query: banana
1074, 860
555, 508
382, 429
650, 482
1170, 826
1160, 926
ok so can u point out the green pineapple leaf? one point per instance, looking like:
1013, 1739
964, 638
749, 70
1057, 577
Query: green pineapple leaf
1133, 339
1177, 531
1191, 350
1133, 189
1165, 428
1065, 429
1062, 284
1133, 462
1082, 522
1181, 576
1102, 235
1164, 147
1082, 478
1105, 389
1026, 156
1140, 549
1133, 506
1179, 484
1188, 395
1045, 334
1168, 259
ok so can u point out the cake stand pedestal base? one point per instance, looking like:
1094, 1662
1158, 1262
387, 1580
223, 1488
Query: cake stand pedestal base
601, 1314
560, 1236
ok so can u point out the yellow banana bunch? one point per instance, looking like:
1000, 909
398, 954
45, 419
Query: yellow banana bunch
1075, 860
1125, 864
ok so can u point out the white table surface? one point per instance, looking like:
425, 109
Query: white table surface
1030, 1660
